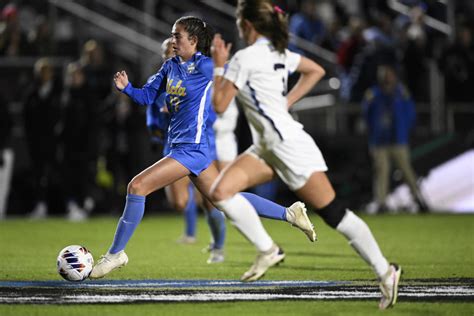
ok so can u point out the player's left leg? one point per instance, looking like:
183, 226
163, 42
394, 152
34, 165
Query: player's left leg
319, 193
245, 218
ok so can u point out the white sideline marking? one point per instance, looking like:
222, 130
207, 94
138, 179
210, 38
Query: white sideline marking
320, 294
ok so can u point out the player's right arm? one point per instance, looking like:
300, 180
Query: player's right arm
145, 95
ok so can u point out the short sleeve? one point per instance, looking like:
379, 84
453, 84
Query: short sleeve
237, 72
292, 61
206, 67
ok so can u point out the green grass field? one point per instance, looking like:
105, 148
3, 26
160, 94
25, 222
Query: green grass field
427, 247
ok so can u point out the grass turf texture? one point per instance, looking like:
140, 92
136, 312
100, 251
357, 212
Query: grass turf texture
431, 246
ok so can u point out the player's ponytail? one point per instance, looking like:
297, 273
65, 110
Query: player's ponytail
204, 33
268, 20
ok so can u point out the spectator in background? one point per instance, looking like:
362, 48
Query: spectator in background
123, 129
307, 25
379, 49
76, 135
457, 64
6, 156
12, 40
347, 52
41, 119
415, 54
390, 114
40, 41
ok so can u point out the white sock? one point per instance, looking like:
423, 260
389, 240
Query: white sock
361, 239
244, 217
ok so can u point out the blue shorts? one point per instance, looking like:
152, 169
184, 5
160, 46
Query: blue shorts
211, 138
195, 157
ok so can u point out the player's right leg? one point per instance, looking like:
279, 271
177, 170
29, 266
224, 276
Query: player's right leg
155, 177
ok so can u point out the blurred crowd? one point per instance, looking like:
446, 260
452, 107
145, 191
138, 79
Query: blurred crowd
85, 141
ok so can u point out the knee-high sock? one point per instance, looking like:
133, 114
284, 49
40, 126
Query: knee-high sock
266, 208
361, 239
216, 221
244, 217
131, 217
190, 213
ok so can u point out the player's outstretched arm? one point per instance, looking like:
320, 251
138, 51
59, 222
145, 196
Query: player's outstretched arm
311, 73
121, 80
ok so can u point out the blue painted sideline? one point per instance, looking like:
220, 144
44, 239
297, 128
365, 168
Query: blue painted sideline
167, 284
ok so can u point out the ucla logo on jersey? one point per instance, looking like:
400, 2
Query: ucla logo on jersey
175, 89
191, 68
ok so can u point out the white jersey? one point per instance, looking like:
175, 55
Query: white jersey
261, 75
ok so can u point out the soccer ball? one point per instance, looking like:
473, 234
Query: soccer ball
75, 263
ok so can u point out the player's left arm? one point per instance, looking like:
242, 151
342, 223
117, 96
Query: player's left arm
311, 73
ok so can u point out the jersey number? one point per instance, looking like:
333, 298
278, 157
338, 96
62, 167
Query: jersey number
174, 102
278, 67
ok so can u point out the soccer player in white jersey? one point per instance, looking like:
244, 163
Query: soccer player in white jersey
257, 75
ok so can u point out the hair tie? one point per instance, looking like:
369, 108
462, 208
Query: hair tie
278, 9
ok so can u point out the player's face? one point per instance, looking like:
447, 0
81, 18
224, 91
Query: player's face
183, 45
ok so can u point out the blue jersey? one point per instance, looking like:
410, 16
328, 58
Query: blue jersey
158, 122
187, 88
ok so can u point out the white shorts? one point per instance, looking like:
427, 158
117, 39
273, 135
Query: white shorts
224, 126
294, 160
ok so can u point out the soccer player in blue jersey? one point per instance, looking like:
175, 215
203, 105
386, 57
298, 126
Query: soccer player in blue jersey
187, 79
181, 193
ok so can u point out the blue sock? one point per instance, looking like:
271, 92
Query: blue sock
216, 221
266, 208
190, 213
131, 217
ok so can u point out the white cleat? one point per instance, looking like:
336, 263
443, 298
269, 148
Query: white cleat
107, 263
186, 240
389, 286
216, 256
264, 261
296, 216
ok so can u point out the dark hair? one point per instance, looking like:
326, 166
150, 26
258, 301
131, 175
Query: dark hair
268, 20
202, 30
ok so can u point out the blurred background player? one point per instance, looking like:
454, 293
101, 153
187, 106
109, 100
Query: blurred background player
79, 159
6, 156
42, 114
390, 114
257, 75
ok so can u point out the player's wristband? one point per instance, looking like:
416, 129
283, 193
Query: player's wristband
219, 71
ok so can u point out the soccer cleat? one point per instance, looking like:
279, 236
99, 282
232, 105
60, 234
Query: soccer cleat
186, 240
216, 256
296, 216
389, 286
264, 261
107, 263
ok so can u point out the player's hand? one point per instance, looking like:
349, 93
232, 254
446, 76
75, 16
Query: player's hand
220, 51
121, 80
